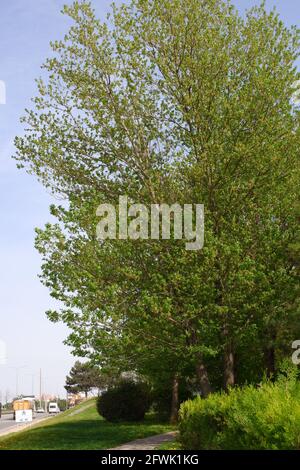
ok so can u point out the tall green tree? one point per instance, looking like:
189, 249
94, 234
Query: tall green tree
171, 101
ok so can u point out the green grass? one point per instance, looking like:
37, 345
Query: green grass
83, 431
173, 445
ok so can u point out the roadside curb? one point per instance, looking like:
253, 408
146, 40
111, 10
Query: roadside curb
22, 427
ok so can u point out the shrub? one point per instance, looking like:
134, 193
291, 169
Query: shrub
249, 418
127, 401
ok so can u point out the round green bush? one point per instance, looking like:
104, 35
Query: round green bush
128, 401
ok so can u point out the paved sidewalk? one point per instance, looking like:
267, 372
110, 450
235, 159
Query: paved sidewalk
148, 443
81, 409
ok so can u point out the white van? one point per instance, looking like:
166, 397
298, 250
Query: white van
53, 408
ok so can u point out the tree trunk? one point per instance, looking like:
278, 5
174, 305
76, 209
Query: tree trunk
228, 372
175, 400
269, 356
203, 379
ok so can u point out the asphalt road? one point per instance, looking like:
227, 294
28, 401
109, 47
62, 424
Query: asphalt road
7, 421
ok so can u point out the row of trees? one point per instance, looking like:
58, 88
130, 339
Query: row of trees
173, 101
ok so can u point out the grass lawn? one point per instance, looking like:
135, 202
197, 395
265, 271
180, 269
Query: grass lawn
173, 445
84, 430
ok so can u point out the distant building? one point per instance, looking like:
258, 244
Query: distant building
75, 398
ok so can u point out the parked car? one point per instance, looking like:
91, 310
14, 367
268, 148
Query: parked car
53, 408
40, 410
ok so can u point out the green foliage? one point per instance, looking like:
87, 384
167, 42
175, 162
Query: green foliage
266, 417
62, 404
172, 101
127, 401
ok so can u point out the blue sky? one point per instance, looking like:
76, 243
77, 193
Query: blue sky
26, 28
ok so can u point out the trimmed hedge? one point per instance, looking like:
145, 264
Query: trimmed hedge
248, 418
127, 401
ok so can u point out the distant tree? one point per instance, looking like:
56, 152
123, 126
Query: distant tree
62, 404
83, 377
